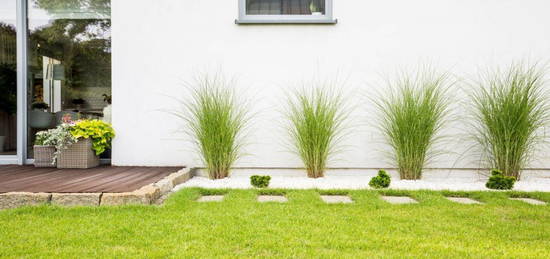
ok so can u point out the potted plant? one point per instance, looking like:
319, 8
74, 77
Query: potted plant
90, 138
44, 149
314, 8
39, 117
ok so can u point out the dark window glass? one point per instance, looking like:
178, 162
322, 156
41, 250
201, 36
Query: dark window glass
285, 7
8, 78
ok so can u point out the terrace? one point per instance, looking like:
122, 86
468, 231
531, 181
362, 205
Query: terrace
104, 185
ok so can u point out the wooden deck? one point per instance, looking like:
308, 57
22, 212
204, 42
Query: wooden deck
15, 178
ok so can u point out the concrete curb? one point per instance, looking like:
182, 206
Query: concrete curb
146, 195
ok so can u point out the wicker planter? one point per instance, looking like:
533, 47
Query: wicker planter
78, 155
44, 156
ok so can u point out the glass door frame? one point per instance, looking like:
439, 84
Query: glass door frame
21, 38
22, 61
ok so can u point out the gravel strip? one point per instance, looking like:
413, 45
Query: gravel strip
358, 182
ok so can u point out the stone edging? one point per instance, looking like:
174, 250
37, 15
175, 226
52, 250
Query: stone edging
146, 195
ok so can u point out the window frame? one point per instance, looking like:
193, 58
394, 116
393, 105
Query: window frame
327, 18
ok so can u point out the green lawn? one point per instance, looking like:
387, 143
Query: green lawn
303, 227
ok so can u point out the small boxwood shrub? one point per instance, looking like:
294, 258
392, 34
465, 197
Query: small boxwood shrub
382, 180
260, 181
498, 181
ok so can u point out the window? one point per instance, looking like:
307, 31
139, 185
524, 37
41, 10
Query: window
285, 11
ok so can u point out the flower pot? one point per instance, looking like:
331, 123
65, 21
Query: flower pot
78, 155
44, 156
40, 119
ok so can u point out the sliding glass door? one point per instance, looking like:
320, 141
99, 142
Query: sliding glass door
69, 62
8, 78
55, 62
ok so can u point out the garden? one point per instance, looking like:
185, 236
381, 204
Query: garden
507, 114
227, 214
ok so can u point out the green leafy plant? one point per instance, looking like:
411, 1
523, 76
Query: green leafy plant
511, 108
60, 137
499, 181
260, 181
107, 98
216, 120
43, 138
316, 127
39, 106
412, 115
101, 133
382, 180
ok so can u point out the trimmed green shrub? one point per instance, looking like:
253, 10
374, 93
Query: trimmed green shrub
260, 181
382, 180
511, 109
412, 114
499, 181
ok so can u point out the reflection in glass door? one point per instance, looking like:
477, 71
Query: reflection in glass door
69, 62
8, 78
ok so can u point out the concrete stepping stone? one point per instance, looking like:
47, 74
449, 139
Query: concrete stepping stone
336, 199
399, 199
272, 198
210, 198
530, 201
463, 200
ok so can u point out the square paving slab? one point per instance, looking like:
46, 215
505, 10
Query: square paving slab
463, 200
530, 201
210, 198
399, 199
272, 198
336, 199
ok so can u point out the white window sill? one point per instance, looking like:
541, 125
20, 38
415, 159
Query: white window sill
286, 21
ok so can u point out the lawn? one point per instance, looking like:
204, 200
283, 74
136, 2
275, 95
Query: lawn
304, 227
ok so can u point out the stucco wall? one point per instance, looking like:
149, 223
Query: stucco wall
158, 44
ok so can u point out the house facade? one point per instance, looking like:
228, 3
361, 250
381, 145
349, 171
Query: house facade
128, 62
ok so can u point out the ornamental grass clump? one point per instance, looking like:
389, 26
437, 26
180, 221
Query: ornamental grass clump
412, 115
316, 127
511, 109
216, 121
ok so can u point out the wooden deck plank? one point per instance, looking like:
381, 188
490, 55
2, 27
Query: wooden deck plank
87, 179
131, 180
114, 181
99, 179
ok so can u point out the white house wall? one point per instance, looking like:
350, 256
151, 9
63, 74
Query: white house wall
159, 44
